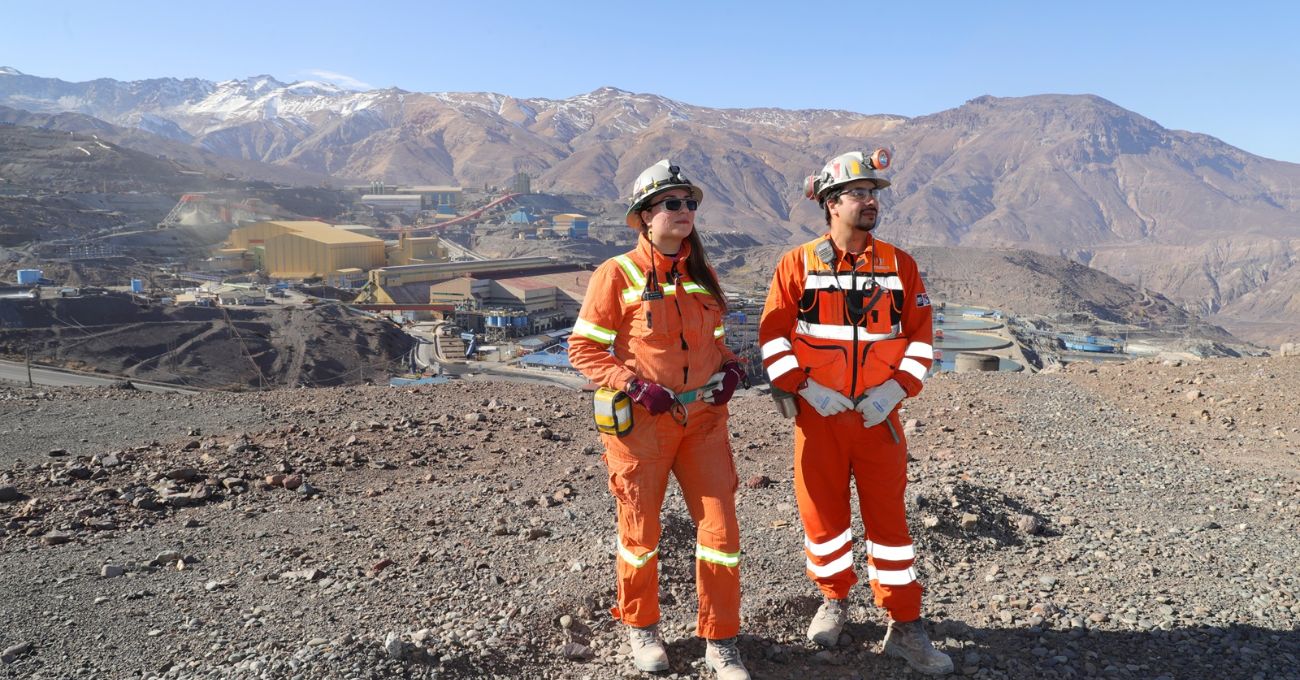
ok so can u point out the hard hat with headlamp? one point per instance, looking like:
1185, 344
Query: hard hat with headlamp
845, 168
653, 181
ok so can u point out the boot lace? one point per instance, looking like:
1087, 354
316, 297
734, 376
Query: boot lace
727, 651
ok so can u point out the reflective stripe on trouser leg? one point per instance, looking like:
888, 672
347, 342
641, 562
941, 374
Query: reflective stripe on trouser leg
707, 476
638, 477
890, 554
821, 477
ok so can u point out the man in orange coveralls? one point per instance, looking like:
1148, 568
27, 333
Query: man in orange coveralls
847, 327
660, 309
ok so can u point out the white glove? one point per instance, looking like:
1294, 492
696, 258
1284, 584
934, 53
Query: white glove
880, 401
825, 400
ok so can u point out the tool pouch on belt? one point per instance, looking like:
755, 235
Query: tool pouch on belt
786, 404
612, 410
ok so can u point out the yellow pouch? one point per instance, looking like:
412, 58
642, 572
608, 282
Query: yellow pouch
612, 410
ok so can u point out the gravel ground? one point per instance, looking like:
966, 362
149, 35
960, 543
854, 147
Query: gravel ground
1124, 521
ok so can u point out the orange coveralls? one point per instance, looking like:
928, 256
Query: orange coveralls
814, 328
676, 341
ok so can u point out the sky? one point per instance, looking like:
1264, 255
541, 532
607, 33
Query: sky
1226, 69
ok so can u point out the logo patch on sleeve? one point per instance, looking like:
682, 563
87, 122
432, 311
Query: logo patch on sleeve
922, 300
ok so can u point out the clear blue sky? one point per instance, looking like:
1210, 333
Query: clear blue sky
1227, 69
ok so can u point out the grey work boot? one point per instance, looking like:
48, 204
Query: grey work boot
828, 622
909, 642
648, 653
724, 658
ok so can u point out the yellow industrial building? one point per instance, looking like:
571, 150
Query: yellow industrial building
416, 250
307, 249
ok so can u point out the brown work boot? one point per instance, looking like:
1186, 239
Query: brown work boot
648, 652
723, 657
908, 641
828, 622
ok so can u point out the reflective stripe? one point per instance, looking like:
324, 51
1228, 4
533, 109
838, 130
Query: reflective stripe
634, 274
843, 333
844, 281
891, 577
773, 347
717, 556
633, 560
920, 350
781, 367
591, 331
824, 549
719, 331
631, 295
889, 552
912, 367
840, 564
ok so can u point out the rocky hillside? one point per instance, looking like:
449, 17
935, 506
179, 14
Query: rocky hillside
204, 347
1128, 521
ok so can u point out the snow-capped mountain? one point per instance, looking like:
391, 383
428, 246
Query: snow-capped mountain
1074, 175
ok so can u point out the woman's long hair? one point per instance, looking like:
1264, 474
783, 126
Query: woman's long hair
698, 268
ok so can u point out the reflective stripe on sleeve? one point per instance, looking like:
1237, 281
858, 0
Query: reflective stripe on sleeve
890, 552
717, 556
774, 347
912, 367
920, 350
719, 331
891, 577
781, 367
840, 564
824, 549
591, 331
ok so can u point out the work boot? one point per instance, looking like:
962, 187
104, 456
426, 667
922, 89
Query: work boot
648, 653
828, 622
909, 642
723, 657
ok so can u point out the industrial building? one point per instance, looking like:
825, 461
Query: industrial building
570, 225
307, 249
416, 250
403, 203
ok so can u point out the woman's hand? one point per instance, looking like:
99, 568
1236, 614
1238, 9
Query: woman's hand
732, 374
653, 396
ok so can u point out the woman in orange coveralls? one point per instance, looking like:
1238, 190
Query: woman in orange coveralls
651, 326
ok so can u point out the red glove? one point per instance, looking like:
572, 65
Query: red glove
653, 396
732, 374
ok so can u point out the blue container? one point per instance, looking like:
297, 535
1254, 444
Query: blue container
137, 286
29, 277
521, 321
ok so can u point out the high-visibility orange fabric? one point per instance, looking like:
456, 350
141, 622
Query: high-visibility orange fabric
699, 456
813, 329
675, 341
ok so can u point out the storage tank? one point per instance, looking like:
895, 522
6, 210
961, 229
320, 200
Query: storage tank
137, 286
29, 277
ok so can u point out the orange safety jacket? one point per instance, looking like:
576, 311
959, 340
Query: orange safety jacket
850, 324
676, 339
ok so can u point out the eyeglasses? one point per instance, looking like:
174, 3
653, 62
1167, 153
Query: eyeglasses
860, 193
675, 204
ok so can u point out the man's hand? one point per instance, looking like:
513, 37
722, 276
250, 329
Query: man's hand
879, 402
825, 400
730, 377
655, 397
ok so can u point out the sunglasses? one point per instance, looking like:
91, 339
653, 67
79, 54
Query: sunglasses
860, 193
675, 204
